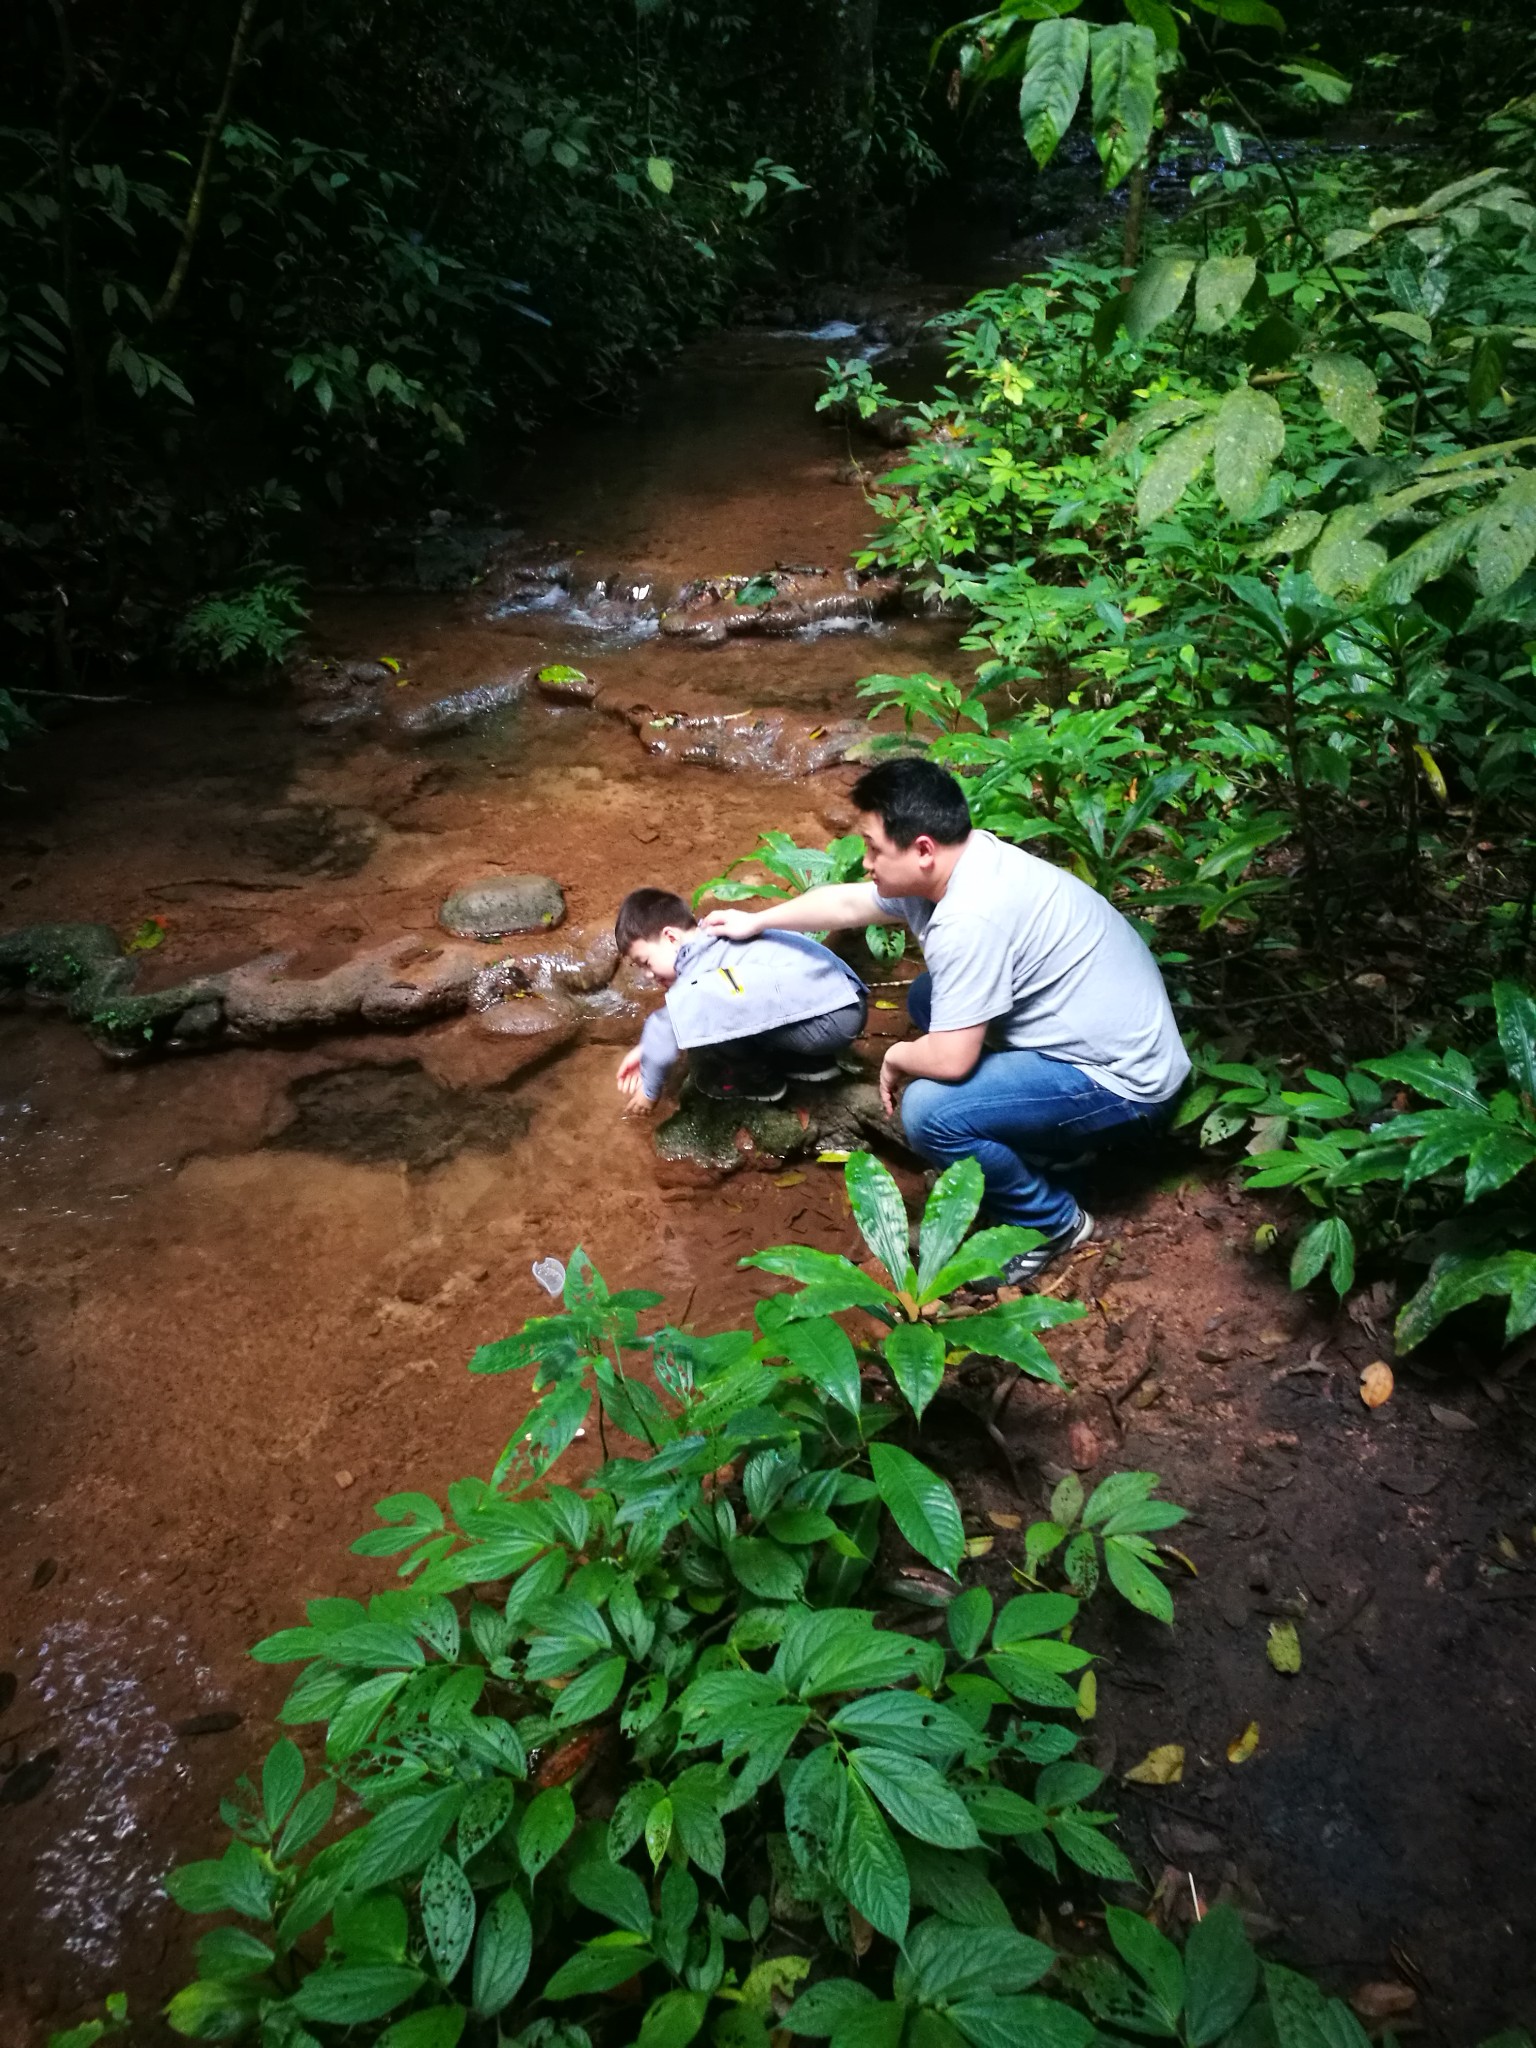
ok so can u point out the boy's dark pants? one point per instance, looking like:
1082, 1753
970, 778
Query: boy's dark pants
810, 1043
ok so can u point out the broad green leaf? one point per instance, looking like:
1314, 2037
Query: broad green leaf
209, 2009
404, 1836
1345, 561
1250, 436
1426, 559
907, 1722
1011, 1332
439, 2026
1055, 67
347, 1995
1303, 2016
1032, 1615
282, 1780
766, 1568
359, 1714
1136, 1581
447, 1914
1029, 1677
236, 1882
1515, 1008
1173, 469
1414, 325
1221, 1974
917, 1798
956, 1195
915, 1354
659, 170
545, 1828
1151, 1955
819, 2011
979, 1258
615, 1891
1329, 85
881, 1215
672, 2020
968, 1619
1347, 388
820, 1351
590, 1693
950, 1963
485, 1812
1113, 1495
1022, 2023
231, 1952
1124, 61
816, 1807
1158, 291
1456, 1280
1221, 285
872, 1870
825, 1272
609, 1961
1091, 1850
1111, 1995
1495, 1160
997, 1811
921, 1505
1490, 360
1506, 536
1329, 1242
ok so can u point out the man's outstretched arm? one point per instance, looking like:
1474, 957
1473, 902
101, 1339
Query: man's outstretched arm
836, 907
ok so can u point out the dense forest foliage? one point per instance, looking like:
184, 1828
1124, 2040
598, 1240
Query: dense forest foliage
269, 259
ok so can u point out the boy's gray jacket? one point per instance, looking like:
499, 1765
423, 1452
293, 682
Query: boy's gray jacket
729, 988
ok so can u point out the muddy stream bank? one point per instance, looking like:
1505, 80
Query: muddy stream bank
241, 1284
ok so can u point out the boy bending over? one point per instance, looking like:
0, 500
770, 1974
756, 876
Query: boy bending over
751, 1014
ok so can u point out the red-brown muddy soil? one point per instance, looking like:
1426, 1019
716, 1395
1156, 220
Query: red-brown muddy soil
241, 1287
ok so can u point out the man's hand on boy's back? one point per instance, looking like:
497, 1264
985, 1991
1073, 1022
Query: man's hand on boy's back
730, 924
630, 1085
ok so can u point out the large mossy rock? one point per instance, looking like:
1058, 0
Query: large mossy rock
706, 1140
503, 905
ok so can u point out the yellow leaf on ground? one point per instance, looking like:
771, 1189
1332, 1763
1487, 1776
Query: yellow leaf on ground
1239, 1752
1432, 774
788, 1180
832, 1158
1188, 1563
979, 1546
1376, 1383
1161, 1766
882, 1004
1284, 1646
1088, 1696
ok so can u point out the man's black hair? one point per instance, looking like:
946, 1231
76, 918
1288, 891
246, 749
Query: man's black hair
912, 798
646, 914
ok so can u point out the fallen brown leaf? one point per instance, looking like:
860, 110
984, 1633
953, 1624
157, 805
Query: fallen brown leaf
1376, 1383
1386, 2001
1451, 1418
1163, 1765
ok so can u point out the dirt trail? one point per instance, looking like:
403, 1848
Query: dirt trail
241, 1288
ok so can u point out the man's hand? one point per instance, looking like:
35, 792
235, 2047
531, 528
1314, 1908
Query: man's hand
730, 924
631, 1087
892, 1073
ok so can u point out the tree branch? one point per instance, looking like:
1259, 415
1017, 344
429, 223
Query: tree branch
183, 263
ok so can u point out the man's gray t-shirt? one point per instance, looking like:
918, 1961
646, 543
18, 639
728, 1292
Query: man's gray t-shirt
1048, 966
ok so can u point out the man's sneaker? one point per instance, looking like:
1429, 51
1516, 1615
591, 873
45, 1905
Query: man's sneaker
737, 1081
1029, 1265
812, 1070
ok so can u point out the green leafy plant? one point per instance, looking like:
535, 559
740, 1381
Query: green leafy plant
1107, 1533
114, 2021
234, 628
794, 869
919, 1343
678, 1630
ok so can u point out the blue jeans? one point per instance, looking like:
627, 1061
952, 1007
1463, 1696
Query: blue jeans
1014, 1113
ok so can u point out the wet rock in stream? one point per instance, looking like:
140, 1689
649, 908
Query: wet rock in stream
771, 742
502, 906
704, 1140
334, 695
406, 983
713, 609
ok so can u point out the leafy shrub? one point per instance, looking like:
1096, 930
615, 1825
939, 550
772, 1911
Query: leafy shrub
234, 628
773, 1776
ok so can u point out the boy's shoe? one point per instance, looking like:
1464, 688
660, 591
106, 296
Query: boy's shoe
812, 1071
1029, 1265
737, 1081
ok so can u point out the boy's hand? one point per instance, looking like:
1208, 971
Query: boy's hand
892, 1074
630, 1085
730, 924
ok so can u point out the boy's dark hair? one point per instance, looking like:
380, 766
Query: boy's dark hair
646, 914
911, 798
